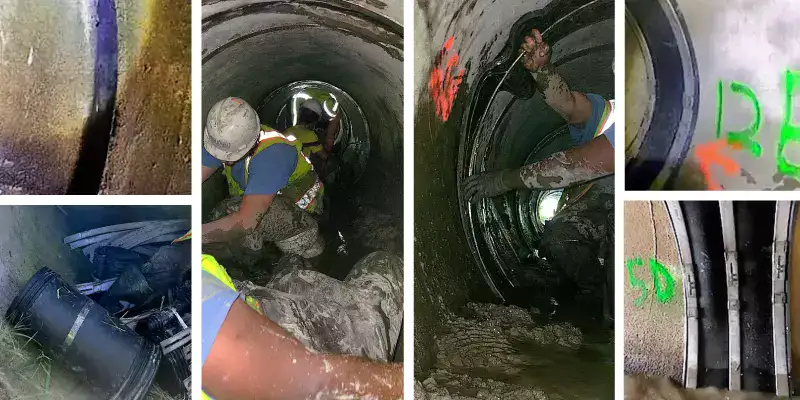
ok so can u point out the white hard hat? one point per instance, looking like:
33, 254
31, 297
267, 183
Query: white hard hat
232, 129
312, 105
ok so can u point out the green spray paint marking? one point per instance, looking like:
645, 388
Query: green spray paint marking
663, 282
744, 138
636, 282
789, 132
665, 287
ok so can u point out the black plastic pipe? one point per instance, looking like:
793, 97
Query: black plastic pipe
704, 227
754, 235
116, 362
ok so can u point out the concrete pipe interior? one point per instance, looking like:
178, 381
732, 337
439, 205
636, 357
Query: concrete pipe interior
96, 97
657, 302
34, 239
270, 53
488, 252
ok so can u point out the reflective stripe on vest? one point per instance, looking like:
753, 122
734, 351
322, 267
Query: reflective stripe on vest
607, 119
309, 141
267, 138
210, 265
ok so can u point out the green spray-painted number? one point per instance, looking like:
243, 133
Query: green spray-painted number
743, 138
636, 282
663, 282
789, 132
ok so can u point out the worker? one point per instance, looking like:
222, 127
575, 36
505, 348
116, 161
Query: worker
273, 189
304, 334
591, 127
309, 116
572, 239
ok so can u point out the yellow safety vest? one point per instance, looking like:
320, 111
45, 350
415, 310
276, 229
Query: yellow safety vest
210, 265
309, 141
303, 186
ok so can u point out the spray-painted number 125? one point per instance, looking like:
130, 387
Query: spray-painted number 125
663, 282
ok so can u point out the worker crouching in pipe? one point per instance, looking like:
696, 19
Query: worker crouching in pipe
273, 188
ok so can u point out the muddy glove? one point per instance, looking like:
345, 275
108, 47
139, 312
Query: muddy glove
487, 184
537, 52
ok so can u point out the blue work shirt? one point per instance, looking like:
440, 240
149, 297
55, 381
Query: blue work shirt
581, 135
217, 302
270, 169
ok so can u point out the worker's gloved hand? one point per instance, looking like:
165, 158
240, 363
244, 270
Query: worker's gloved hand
485, 184
537, 52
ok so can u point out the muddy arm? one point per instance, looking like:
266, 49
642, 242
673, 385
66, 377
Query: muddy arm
239, 223
330, 138
581, 164
573, 106
254, 358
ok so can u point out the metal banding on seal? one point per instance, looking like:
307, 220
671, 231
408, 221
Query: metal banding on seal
732, 275
691, 334
76, 326
783, 216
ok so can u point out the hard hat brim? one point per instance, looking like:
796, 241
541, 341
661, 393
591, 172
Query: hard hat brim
222, 155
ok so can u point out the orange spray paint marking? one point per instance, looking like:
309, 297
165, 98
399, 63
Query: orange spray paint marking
443, 85
711, 154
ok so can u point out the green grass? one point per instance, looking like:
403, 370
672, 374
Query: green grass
26, 373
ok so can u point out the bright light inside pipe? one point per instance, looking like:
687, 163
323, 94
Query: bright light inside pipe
548, 205
296, 105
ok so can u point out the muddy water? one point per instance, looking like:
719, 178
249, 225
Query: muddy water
499, 352
641, 387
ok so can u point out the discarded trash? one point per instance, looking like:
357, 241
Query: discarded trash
75, 330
